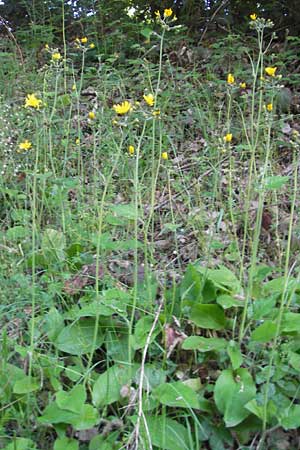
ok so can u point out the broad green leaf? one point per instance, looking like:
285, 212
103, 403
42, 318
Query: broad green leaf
294, 360
176, 394
141, 332
127, 211
53, 245
21, 444
222, 278
227, 301
53, 414
26, 385
262, 307
233, 389
54, 323
165, 434
291, 418
235, 354
107, 387
191, 285
17, 233
88, 418
264, 332
146, 32
72, 400
66, 443
290, 322
77, 338
208, 316
204, 344
275, 182
153, 376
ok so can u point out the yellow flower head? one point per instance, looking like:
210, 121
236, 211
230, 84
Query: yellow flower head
32, 101
84, 40
56, 56
164, 155
92, 115
253, 16
271, 71
74, 87
156, 112
157, 14
168, 12
77, 142
92, 45
123, 108
26, 145
131, 149
230, 78
228, 137
149, 99
243, 85
269, 107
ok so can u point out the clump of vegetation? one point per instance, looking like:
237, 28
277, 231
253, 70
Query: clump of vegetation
150, 285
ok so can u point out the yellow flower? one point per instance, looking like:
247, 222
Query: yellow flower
26, 145
73, 87
84, 40
32, 101
131, 149
123, 108
157, 14
77, 142
46, 46
271, 71
164, 155
149, 99
269, 107
243, 85
92, 115
92, 45
156, 113
168, 12
228, 137
253, 16
56, 56
230, 78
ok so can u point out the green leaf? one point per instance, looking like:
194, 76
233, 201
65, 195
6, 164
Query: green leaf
17, 233
21, 444
177, 395
66, 443
146, 32
141, 332
77, 338
53, 245
294, 360
264, 332
235, 354
223, 279
127, 211
227, 301
53, 414
290, 322
165, 433
54, 323
233, 389
204, 344
191, 285
107, 387
275, 182
26, 385
291, 418
208, 316
153, 376
72, 400
88, 418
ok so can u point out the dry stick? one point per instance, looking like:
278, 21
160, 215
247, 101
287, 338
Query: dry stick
136, 431
212, 18
3, 22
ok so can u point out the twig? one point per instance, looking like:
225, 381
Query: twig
136, 431
212, 18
